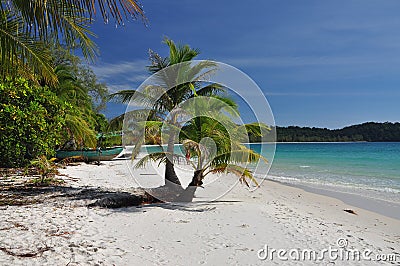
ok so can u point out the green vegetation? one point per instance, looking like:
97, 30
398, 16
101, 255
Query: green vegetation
210, 136
29, 29
36, 119
31, 122
371, 131
170, 98
218, 148
46, 169
48, 99
83, 96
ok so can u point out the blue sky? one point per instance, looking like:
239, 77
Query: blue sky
319, 63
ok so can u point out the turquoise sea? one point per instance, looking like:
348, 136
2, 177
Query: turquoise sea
367, 169
363, 168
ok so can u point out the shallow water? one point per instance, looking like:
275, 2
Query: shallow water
363, 168
368, 169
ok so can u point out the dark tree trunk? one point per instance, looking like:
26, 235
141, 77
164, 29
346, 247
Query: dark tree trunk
197, 179
188, 194
170, 174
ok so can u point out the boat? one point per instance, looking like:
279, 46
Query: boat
90, 155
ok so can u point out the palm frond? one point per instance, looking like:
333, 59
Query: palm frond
18, 47
116, 123
80, 130
243, 155
123, 96
242, 172
211, 89
151, 157
256, 129
144, 131
201, 71
180, 53
78, 29
157, 62
27, 26
40, 14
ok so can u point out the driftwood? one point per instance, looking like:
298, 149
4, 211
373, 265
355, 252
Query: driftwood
142, 196
350, 211
125, 199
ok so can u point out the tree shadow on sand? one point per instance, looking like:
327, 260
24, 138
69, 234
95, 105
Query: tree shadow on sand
96, 197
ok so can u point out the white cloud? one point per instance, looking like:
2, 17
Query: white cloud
123, 75
127, 69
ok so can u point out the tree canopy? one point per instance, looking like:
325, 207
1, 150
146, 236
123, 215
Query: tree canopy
369, 131
29, 28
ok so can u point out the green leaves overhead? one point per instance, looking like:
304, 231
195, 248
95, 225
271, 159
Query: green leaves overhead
28, 28
17, 47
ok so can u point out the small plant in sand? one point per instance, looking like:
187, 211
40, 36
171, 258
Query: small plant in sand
46, 168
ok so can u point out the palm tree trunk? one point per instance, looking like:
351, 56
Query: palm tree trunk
170, 174
197, 179
188, 194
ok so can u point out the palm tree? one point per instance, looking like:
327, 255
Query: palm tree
163, 99
79, 115
214, 141
228, 156
29, 27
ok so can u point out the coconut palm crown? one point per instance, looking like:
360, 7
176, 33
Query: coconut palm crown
160, 101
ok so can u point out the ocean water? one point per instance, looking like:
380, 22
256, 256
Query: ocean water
367, 169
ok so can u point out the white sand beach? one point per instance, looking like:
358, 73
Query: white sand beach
228, 231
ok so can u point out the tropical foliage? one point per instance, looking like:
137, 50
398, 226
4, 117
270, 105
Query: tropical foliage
218, 148
156, 102
213, 141
31, 122
83, 97
48, 98
29, 28
370, 131
177, 105
46, 168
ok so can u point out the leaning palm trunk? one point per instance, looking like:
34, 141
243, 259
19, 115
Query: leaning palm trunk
170, 175
188, 194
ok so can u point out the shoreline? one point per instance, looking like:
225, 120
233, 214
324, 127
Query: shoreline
388, 209
378, 206
229, 231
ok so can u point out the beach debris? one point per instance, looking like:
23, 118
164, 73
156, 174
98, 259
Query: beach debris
125, 199
15, 225
26, 254
182, 221
118, 201
350, 211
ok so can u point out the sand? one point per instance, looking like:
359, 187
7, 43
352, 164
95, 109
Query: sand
233, 230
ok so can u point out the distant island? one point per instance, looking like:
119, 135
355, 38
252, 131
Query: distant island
370, 132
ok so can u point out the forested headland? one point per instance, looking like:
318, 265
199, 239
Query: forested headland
370, 132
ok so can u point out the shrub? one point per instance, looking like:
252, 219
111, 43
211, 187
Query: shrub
46, 168
31, 119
